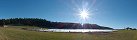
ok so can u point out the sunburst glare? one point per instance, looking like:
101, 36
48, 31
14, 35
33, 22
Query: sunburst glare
84, 14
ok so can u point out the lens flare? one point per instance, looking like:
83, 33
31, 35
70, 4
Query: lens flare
84, 14
83, 9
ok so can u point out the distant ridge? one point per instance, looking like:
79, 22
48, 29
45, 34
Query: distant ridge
48, 24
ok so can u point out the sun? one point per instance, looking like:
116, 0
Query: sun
84, 14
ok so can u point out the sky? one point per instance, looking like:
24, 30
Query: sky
109, 13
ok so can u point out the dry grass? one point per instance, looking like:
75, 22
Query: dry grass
17, 34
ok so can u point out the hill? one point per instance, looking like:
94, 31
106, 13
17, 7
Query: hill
48, 24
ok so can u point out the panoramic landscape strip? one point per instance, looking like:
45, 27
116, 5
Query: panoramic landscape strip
68, 19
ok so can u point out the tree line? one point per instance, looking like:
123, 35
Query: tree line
48, 24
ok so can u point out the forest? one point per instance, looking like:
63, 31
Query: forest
43, 23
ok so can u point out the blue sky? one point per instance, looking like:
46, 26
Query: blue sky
110, 13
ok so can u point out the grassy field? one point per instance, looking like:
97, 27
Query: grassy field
13, 33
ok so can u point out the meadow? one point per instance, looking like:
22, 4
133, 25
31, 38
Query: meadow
15, 33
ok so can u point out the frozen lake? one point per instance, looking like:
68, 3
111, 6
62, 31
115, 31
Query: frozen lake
76, 30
